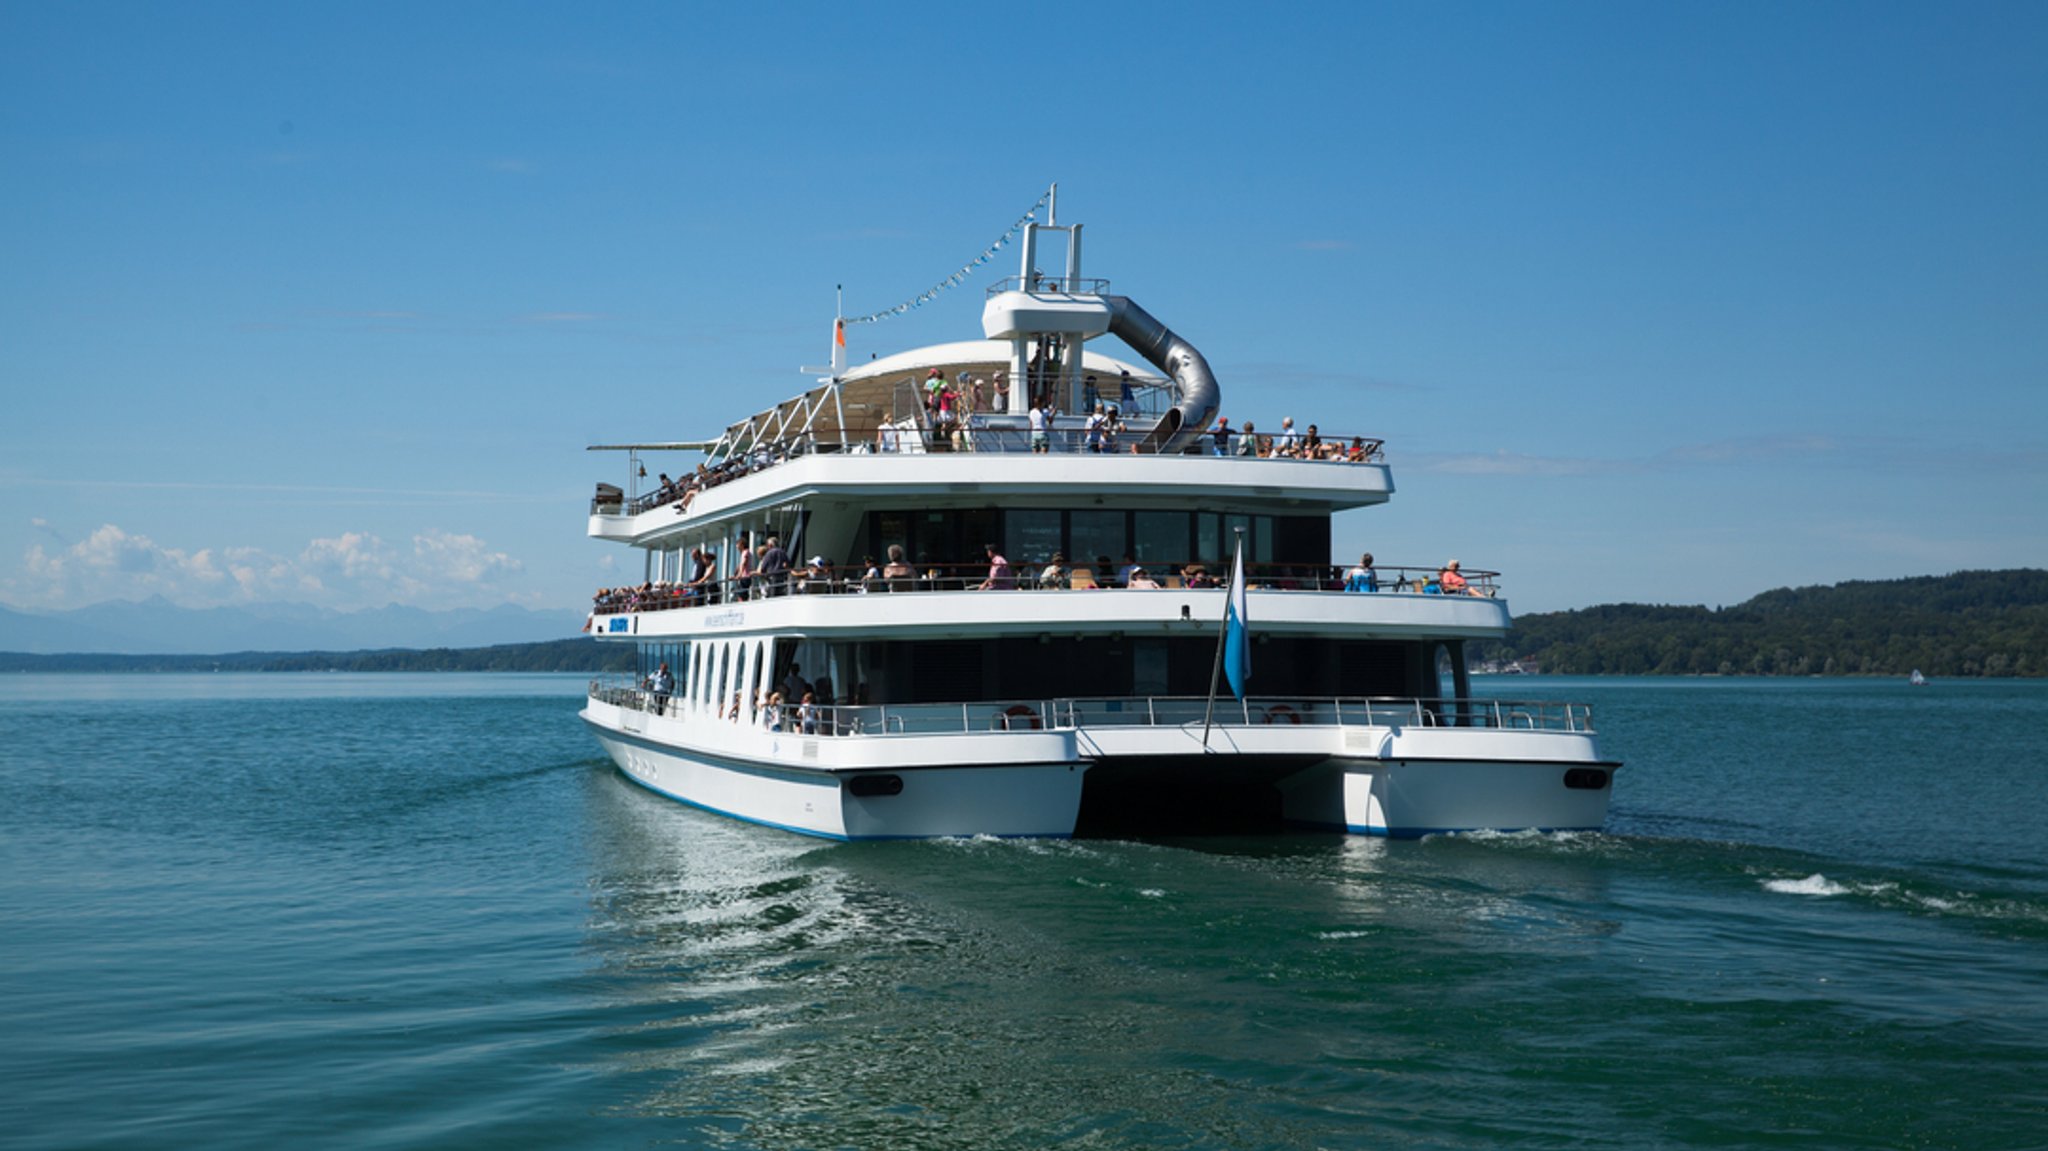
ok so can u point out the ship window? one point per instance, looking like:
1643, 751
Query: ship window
1097, 534
1162, 539
1209, 540
1031, 536
1149, 665
887, 528
1231, 526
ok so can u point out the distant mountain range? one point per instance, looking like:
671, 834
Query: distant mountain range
157, 626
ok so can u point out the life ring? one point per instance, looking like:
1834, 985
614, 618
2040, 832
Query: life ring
1280, 712
1017, 712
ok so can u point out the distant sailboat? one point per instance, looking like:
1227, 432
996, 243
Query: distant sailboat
1916, 679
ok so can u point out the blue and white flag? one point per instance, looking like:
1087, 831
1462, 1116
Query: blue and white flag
1237, 640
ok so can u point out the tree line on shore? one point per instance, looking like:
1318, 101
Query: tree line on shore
1968, 624
1972, 623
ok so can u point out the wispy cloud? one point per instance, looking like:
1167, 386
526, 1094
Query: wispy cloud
351, 570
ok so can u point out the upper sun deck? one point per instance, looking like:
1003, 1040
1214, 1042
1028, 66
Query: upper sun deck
994, 464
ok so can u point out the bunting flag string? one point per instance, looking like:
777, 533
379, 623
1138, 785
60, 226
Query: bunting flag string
961, 276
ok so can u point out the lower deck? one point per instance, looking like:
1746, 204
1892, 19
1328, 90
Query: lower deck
1109, 766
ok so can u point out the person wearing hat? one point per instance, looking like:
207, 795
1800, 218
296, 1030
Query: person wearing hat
1054, 574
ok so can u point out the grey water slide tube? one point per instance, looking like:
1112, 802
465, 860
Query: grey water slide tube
1200, 395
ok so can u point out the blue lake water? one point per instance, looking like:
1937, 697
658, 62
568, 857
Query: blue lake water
424, 911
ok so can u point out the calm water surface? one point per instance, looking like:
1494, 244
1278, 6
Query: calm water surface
423, 911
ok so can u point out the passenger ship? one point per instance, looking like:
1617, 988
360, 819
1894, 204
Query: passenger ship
957, 700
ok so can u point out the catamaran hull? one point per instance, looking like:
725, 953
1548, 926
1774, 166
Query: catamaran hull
1406, 799
872, 791
772, 784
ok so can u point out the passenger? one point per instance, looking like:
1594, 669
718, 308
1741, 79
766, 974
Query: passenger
1054, 574
1103, 578
870, 574
703, 562
773, 566
1357, 453
898, 573
743, 574
771, 712
1196, 576
1090, 397
1130, 568
1096, 419
807, 714
793, 683
1248, 440
1362, 577
1451, 580
1287, 443
1222, 436
1111, 429
1000, 577
1124, 395
1041, 420
1140, 578
662, 684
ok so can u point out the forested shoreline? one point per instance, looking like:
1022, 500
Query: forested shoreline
1968, 624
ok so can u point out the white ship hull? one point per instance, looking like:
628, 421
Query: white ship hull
1411, 781
982, 783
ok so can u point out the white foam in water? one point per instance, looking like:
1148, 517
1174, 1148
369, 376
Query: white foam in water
1815, 884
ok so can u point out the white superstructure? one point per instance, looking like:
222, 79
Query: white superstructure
957, 695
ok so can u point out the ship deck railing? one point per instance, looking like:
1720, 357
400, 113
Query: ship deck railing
1000, 433
1015, 715
1321, 578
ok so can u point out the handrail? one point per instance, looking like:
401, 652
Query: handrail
1172, 575
1008, 716
982, 432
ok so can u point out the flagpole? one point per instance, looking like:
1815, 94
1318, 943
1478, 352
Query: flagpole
1222, 633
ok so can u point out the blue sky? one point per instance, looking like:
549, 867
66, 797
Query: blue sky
1651, 303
